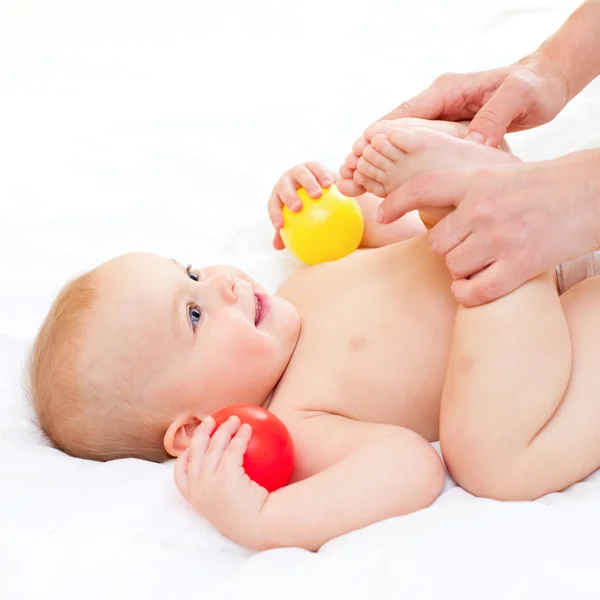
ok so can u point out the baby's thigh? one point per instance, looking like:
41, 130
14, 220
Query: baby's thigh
576, 425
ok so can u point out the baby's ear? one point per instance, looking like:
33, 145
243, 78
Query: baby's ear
179, 434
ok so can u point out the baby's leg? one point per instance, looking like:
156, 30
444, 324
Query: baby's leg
520, 413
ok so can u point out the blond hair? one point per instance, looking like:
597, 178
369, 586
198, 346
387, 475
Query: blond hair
79, 417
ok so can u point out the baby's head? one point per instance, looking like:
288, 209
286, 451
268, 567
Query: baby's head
135, 353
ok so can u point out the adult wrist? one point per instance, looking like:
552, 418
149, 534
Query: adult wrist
573, 52
582, 170
545, 62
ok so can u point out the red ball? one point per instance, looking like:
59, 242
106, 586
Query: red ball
269, 459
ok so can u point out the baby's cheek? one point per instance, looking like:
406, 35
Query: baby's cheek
251, 352
254, 347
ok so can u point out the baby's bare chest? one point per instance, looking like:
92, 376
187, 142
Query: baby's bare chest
374, 343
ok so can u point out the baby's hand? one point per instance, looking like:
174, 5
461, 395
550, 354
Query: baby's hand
312, 177
211, 476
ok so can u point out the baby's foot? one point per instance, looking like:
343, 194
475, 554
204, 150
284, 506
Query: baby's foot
451, 128
352, 185
353, 180
394, 157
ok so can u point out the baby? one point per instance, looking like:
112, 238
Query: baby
366, 360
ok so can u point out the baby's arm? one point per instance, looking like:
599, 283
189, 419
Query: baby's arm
376, 235
358, 473
349, 474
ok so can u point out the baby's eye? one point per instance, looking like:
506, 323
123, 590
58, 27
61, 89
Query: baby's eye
195, 314
192, 274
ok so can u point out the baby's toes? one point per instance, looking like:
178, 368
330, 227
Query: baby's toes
369, 184
345, 172
351, 161
378, 127
368, 170
359, 145
413, 140
376, 158
375, 188
350, 188
385, 148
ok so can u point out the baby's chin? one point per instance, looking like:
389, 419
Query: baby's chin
282, 320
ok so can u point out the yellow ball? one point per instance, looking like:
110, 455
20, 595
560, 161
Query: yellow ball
327, 228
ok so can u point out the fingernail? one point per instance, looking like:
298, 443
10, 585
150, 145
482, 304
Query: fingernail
379, 216
316, 193
296, 207
326, 182
475, 136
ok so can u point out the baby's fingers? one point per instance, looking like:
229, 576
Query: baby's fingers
181, 474
306, 178
324, 176
277, 241
234, 453
274, 207
219, 442
287, 194
198, 446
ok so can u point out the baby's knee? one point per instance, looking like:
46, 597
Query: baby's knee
484, 469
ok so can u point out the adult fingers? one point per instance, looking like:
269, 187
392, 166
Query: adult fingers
470, 256
445, 188
509, 102
492, 283
429, 104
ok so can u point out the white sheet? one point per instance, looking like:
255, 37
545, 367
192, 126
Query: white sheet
162, 126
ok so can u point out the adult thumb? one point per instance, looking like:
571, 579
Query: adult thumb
426, 105
490, 124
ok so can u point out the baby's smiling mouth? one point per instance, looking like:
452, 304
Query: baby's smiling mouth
257, 310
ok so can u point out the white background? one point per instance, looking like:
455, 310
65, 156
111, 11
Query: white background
162, 126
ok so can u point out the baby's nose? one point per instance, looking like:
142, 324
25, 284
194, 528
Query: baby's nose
225, 284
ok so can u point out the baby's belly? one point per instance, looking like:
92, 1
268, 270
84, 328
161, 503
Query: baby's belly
376, 332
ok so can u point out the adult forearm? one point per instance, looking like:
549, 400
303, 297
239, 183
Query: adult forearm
575, 47
587, 163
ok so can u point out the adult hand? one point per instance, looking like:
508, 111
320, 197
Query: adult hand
521, 96
510, 223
